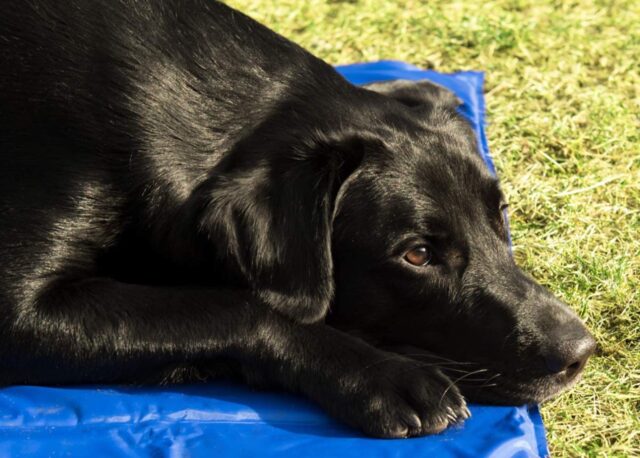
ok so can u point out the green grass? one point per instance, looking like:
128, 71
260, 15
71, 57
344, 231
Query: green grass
563, 100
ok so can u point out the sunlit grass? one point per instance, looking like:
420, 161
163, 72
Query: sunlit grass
563, 100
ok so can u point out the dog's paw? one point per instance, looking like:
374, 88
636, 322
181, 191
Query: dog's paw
397, 397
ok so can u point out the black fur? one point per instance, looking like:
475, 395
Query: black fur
186, 195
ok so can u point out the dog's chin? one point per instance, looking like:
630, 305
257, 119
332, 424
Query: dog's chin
512, 391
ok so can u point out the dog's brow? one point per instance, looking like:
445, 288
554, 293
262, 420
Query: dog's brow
434, 227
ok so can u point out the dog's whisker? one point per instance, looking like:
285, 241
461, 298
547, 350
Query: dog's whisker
431, 355
484, 382
417, 364
488, 385
454, 382
453, 369
472, 380
420, 366
441, 361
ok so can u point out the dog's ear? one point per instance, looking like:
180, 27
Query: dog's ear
270, 206
416, 94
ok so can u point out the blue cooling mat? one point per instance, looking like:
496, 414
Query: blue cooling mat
219, 420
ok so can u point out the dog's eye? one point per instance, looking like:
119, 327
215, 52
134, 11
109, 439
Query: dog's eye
418, 256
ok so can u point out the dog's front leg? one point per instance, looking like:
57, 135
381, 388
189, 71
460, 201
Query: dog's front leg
100, 330
97, 330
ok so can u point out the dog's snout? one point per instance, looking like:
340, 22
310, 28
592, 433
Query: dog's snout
570, 355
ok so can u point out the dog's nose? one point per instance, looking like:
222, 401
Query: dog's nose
570, 356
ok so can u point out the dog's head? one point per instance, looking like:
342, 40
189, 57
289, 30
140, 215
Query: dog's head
396, 223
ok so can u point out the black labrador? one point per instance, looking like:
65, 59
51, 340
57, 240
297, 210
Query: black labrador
186, 195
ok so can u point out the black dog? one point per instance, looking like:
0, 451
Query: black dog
186, 195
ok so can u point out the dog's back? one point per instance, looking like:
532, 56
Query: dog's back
112, 113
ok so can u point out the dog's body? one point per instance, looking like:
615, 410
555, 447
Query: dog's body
184, 195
